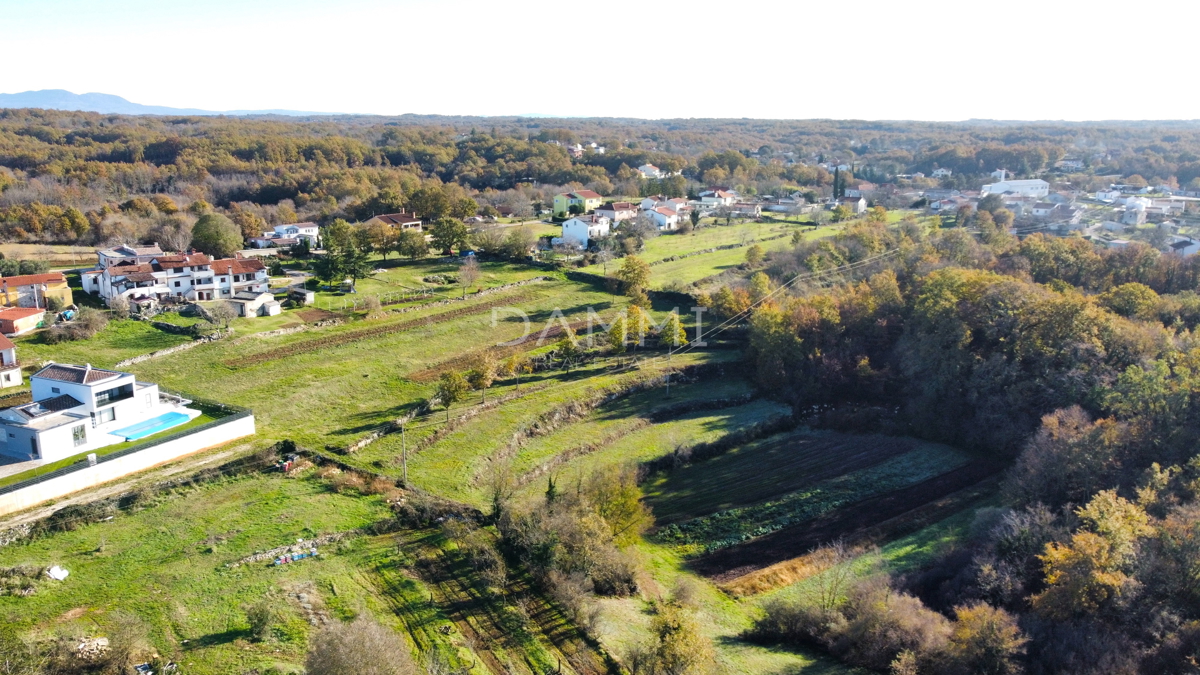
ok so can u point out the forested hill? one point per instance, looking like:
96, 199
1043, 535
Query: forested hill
74, 177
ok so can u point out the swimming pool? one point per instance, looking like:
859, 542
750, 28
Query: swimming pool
151, 426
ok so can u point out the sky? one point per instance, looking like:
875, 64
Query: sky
914, 59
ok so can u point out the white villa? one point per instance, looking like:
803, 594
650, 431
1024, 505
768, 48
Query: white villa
580, 230
651, 171
77, 409
192, 276
1028, 188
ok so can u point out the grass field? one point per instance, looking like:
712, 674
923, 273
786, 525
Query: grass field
712, 235
57, 255
167, 563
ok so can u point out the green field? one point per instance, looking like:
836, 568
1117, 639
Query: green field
712, 235
166, 564
324, 388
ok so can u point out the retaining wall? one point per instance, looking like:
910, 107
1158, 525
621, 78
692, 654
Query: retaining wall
114, 467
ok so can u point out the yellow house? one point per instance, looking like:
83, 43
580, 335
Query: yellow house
586, 200
31, 290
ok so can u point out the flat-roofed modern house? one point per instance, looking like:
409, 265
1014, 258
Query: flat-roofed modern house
124, 253
77, 409
1030, 188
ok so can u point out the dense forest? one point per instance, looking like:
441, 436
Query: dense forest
1073, 365
72, 177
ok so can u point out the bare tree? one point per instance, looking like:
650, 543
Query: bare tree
119, 304
222, 312
362, 647
468, 274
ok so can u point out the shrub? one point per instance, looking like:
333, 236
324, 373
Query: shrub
986, 641
86, 324
348, 482
381, 486
363, 648
262, 617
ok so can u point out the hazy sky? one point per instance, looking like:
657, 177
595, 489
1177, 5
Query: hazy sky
916, 59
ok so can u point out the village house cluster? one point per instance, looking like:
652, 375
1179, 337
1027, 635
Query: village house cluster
588, 218
146, 275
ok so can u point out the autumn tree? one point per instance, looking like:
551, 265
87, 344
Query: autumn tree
677, 645
754, 254
482, 373
672, 334
452, 388
634, 274
617, 334
638, 325
986, 641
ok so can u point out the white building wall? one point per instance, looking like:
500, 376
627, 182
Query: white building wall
83, 479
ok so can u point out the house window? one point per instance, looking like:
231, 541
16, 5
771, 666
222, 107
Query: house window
176, 284
79, 435
56, 390
106, 415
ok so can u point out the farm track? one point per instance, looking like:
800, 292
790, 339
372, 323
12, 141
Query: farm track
876, 513
332, 341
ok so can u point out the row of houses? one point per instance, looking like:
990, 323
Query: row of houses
595, 220
145, 273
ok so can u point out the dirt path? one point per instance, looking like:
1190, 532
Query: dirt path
795, 541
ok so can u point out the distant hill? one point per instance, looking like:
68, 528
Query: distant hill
61, 99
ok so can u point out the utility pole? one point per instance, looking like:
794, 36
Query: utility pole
404, 455
668, 372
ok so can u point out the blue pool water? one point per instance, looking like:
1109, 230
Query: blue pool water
151, 426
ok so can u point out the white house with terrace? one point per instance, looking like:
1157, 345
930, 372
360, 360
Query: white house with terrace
78, 409
192, 276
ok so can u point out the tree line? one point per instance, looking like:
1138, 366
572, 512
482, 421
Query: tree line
1075, 364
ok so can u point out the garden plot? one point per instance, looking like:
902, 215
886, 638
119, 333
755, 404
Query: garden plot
733, 526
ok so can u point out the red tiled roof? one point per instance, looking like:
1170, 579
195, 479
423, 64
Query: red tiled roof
665, 211
587, 194
18, 313
170, 262
238, 266
31, 279
5, 343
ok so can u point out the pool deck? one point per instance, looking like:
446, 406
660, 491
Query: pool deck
11, 465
